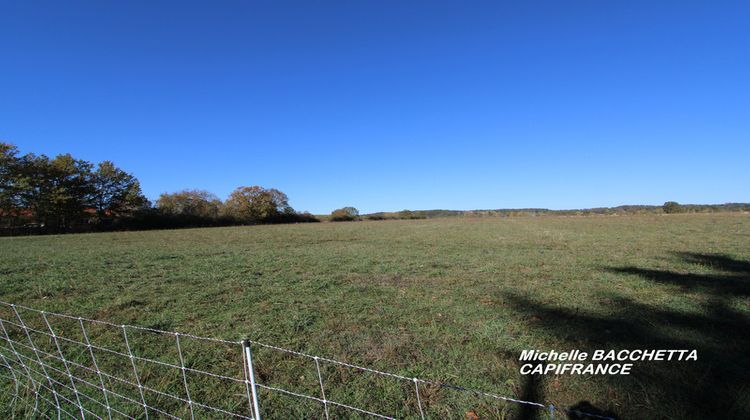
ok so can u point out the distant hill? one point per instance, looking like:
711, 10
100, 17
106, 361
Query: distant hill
624, 209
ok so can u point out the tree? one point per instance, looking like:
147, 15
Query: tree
8, 182
257, 205
672, 207
115, 192
55, 191
344, 214
71, 188
32, 186
194, 203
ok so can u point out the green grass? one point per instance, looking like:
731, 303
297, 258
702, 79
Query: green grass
453, 300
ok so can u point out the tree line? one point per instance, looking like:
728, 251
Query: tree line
669, 207
39, 194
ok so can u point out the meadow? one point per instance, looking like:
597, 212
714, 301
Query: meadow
453, 300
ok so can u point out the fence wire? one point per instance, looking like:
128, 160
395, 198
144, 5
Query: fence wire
62, 366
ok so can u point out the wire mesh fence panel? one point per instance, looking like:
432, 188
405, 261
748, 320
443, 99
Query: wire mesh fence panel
60, 366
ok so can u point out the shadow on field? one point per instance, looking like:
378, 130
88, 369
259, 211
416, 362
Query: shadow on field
715, 386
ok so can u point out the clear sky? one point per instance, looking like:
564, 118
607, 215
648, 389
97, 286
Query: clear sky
387, 105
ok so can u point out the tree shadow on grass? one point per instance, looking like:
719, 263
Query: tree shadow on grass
715, 386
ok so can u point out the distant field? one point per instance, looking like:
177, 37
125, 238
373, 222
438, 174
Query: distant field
454, 300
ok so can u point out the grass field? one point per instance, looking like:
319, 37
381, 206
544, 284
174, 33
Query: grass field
454, 300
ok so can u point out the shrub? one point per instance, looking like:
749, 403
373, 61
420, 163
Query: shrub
672, 207
345, 214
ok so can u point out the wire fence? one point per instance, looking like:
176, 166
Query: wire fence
61, 366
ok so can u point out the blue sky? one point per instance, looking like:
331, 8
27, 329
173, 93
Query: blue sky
387, 105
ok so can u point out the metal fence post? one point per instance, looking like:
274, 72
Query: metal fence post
249, 371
